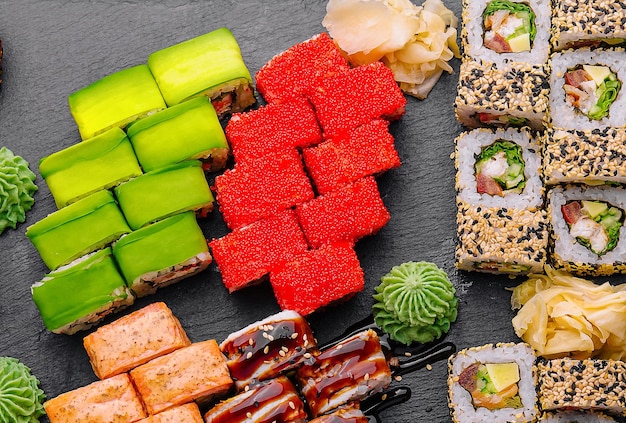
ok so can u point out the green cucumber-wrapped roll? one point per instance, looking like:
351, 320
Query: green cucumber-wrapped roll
190, 130
115, 101
162, 253
415, 302
78, 296
78, 229
164, 192
210, 65
98, 163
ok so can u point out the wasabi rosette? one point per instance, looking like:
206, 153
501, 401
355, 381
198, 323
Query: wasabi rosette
21, 399
16, 189
415, 302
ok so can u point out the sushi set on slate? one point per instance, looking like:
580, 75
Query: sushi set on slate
540, 174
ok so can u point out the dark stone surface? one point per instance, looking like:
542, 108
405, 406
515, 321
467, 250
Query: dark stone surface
53, 48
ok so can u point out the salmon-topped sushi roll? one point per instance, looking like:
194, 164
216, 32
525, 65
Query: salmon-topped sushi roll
134, 340
188, 413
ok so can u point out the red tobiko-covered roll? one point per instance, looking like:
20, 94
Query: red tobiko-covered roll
273, 128
353, 97
249, 253
318, 278
366, 150
260, 187
345, 215
289, 74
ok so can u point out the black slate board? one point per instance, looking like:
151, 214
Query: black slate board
53, 48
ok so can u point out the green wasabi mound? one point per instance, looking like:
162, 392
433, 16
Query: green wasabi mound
21, 399
415, 302
16, 189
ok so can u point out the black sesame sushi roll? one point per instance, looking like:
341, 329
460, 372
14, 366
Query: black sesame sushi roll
502, 96
501, 227
504, 31
586, 89
494, 383
589, 384
588, 233
592, 157
577, 23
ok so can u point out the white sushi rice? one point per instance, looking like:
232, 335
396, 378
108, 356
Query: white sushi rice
460, 400
473, 34
565, 246
564, 116
470, 144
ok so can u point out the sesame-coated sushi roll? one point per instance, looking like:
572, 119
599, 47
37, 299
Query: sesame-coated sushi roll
494, 383
268, 348
578, 23
79, 295
588, 232
591, 157
209, 65
162, 253
190, 130
575, 417
504, 31
501, 240
590, 384
585, 89
499, 168
488, 95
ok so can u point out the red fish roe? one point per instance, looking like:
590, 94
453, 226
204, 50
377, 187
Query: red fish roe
245, 255
347, 214
273, 128
351, 98
262, 186
290, 74
367, 150
318, 278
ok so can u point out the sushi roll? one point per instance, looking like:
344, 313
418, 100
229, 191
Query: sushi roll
343, 415
575, 417
112, 400
196, 373
165, 192
590, 384
188, 413
134, 339
493, 383
101, 162
347, 214
290, 74
275, 401
268, 348
503, 31
590, 157
318, 278
246, 255
345, 100
115, 101
346, 372
588, 232
190, 130
585, 89
79, 295
365, 151
491, 96
162, 253
78, 229
208, 65
578, 23
260, 187
499, 168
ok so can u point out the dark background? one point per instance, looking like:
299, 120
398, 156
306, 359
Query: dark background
53, 48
